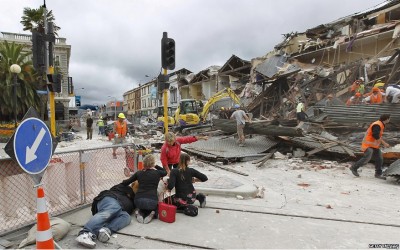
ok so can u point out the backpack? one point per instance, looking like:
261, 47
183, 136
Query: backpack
191, 210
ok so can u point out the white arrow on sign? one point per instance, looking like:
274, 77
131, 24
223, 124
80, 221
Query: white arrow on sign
31, 151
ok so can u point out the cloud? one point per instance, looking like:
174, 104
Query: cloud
116, 43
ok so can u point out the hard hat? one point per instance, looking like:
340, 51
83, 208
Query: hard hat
361, 78
121, 115
379, 84
236, 106
101, 117
358, 94
222, 108
330, 96
375, 89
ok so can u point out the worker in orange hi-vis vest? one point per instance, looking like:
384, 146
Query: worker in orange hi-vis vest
371, 147
120, 130
376, 97
355, 99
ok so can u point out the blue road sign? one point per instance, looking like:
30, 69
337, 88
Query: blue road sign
33, 145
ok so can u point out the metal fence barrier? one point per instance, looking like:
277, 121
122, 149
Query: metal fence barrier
72, 179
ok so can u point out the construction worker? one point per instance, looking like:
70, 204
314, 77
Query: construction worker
371, 147
379, 84
120, 130
100, 123
357, 86
223, 113
392, 93
375, 98
355, 99
301, 111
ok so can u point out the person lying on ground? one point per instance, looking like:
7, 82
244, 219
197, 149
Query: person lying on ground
111, 211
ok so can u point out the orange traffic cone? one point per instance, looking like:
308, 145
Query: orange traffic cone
44, 236
140, 161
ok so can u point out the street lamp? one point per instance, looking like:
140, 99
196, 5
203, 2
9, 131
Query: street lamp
15, 69
115, 107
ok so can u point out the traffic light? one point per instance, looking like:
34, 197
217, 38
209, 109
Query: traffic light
58, 83
162, 82
38, 50
55, 82
167, 52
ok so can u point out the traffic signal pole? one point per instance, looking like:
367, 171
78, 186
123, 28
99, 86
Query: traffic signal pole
167, 62
48, 27
165, 96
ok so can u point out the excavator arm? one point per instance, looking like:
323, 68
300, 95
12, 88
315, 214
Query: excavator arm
216, 97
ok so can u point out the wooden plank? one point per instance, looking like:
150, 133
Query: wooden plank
324, 147
266, 158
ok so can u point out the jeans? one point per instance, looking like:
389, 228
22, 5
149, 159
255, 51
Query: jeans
368, 154
101, 130
146, 205
109, 215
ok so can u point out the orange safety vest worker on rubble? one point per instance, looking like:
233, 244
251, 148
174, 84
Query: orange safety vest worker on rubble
120, 129
371, 147
375, 98
356, 99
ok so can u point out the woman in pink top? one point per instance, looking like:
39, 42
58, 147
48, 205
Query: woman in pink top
171, 150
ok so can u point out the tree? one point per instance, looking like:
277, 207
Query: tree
33, 20
27, 85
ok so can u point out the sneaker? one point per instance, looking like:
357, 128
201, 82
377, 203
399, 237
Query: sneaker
354, 171
127, 172
139, 217
86, 239
149, 217
242, 145
202, 199
104, 234
379, 176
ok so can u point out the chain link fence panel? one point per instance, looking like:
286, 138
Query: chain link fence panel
72, 179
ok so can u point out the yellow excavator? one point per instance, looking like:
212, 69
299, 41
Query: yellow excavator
158, 114
191, 112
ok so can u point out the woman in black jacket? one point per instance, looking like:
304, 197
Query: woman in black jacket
146, 199
182, 179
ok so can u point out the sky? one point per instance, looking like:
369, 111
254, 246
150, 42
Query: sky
115, 44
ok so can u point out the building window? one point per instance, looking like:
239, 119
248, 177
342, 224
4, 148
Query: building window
174, 96
57, 61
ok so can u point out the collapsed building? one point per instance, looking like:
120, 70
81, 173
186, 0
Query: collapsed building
326, 60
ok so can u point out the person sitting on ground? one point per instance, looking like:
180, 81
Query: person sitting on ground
146, 199
392, 93
171, 149
111, 211
182, 179
354, 100
120, 130
375, 98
